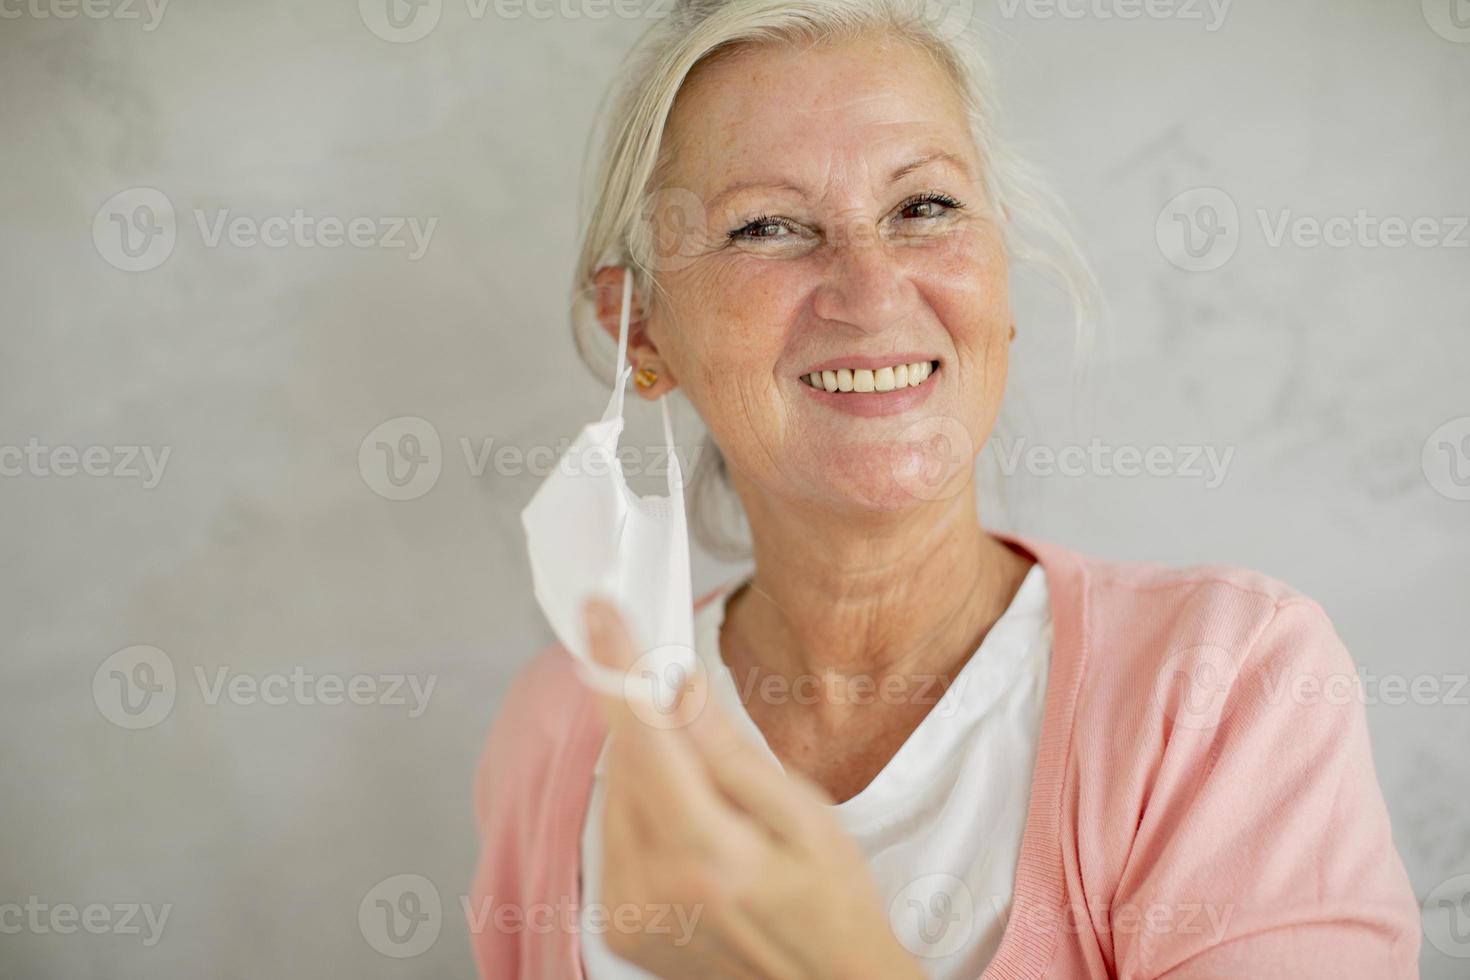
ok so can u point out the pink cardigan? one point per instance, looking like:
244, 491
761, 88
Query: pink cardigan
1225, 827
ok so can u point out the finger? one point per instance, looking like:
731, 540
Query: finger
723, 759
612, 647
662, 781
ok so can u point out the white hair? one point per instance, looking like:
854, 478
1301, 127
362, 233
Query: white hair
618, 230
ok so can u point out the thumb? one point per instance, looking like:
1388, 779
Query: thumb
608, 639
664, 688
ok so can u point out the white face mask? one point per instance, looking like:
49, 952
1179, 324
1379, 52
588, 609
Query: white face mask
589, 534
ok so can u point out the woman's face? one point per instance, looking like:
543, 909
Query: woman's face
827, 213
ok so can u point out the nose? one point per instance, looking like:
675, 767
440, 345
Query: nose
863, 285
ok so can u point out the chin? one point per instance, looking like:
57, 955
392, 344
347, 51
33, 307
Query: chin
897, 477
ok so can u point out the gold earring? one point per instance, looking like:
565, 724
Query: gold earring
645, 378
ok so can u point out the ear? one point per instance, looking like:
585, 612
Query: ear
643, 354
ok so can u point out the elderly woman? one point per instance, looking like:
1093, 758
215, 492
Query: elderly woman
916, 747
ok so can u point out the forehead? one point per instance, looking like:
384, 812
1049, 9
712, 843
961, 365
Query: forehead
866, 99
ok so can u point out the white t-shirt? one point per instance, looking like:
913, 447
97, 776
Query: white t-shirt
940, 824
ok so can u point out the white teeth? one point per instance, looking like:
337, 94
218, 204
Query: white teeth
863, 380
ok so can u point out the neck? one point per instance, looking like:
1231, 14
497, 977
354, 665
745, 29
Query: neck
877, 595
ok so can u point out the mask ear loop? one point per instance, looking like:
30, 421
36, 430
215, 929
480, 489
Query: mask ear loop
606, 679
675, 472
621, 368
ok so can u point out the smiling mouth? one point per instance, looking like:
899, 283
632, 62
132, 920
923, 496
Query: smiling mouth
864, 381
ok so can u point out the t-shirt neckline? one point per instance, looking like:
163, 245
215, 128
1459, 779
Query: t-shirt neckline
984, 676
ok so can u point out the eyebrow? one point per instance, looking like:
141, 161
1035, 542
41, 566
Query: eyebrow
939, 156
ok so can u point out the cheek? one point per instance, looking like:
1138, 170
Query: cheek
726, 328
967, 287
966, 284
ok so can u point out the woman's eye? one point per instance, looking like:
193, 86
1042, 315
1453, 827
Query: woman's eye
761, 229
929, 206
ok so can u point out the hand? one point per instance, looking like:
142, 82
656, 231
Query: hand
742, 866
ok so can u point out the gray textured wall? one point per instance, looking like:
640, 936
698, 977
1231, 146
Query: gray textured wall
263, 559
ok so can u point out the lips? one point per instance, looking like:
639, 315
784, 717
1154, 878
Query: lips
872, 389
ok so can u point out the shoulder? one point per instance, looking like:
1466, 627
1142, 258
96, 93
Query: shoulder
1220, 726
1238, 609
1181, 662
1155, 642
1162, 583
